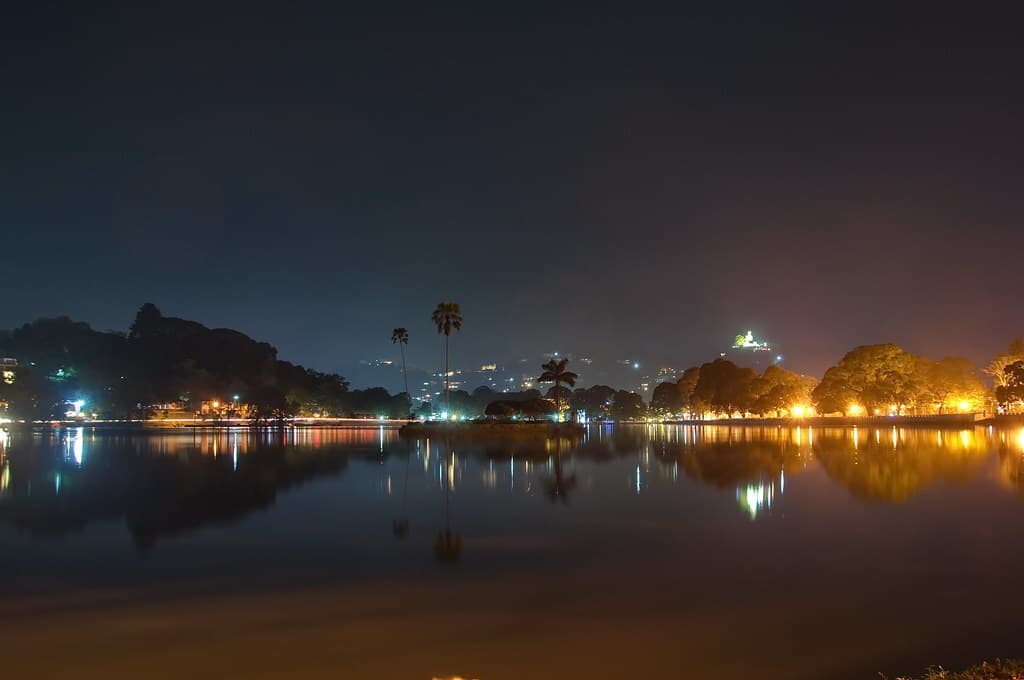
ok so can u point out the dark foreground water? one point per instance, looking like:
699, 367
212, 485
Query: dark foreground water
711, 552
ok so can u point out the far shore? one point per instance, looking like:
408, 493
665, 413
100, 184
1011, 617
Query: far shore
486, 428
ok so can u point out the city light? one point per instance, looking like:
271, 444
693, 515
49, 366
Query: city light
854, 409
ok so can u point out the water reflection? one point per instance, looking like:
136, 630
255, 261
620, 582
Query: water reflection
162, 484
448, 545
1011, 461
56, 484
758, 498
895, 463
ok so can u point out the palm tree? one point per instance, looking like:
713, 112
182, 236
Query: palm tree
554, 371
447, 317
401, 336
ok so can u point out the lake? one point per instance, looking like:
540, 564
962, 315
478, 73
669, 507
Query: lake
642, 551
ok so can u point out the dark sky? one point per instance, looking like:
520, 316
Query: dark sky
602, 179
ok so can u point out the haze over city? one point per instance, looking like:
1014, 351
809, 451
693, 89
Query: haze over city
578, 178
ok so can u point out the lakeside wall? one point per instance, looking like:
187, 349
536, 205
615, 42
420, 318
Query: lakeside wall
946, 420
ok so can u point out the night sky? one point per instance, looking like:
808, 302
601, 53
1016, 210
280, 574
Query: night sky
603, 180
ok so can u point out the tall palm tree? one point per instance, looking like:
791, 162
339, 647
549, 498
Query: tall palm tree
555, 371
447, 317
401, 336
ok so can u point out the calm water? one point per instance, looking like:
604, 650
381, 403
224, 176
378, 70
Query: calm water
709, 552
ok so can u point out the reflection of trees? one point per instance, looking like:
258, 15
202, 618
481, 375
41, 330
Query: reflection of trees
157, 495
726, 464
448, 545
1011, 468
879, 468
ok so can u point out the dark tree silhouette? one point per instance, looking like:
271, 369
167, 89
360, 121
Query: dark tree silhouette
447, 317
556, 372
401, 337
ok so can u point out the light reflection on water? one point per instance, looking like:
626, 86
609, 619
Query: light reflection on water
892, 514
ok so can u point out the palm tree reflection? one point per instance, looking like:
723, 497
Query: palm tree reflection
400, 525
558, 488
448, 545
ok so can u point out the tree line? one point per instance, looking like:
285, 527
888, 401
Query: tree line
162, 360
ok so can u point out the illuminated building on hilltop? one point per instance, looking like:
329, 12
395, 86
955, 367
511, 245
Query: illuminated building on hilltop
754, 353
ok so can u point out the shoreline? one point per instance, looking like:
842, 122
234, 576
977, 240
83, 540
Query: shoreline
517, 428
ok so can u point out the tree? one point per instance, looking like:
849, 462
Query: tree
952, 381
724, 387
870, 376
535, 408
778, 390
687, 384
146, 320
447, 317
595, 401
555, 372
1013, 391
997, 368
501, 409
401, 336
627, 405
667, 399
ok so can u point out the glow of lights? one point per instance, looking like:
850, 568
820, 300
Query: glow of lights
1020, 439
964, 406
215, 404
636, 364
75, 445
854, 409
747, 341
756, 497
78, 404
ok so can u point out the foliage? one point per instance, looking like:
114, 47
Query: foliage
400, 336
1013, 388
595, 401
870, 377
161, 360
556, 372
627, 405
1012, 669
951, 381
667, 399
528, 408
777, 390
723, 387
447, 317
997, 367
